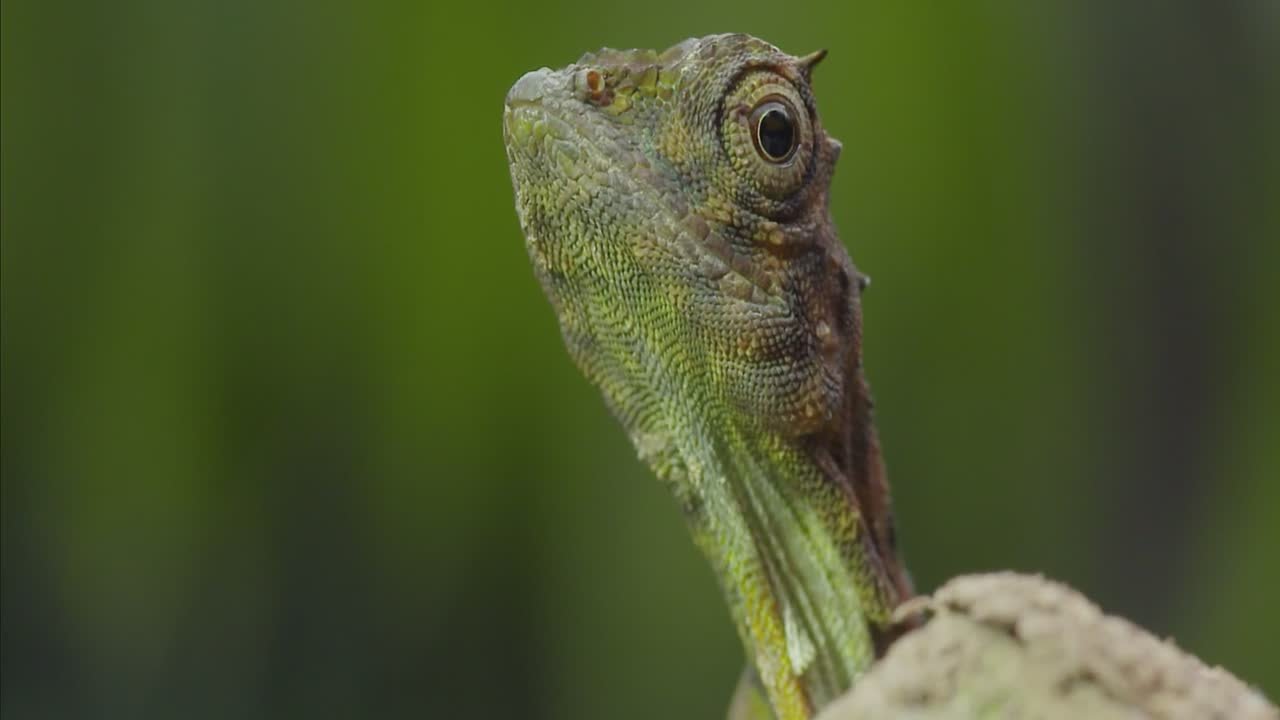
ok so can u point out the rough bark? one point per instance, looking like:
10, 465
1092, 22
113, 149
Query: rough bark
1005, 645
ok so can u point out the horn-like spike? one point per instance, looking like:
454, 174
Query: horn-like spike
808, 62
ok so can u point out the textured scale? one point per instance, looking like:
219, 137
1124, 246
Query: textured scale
701, 286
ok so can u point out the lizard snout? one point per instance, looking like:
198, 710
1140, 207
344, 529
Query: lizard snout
530, 88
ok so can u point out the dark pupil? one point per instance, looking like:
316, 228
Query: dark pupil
776, 133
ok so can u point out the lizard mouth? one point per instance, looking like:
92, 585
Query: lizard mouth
530, 111
556, 161
545, 119
547, 131
533, 121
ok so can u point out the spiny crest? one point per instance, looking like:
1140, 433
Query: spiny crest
609, 78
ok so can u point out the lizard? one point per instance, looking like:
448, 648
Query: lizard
675, 209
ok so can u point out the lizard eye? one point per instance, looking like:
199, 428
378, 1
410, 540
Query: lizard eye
773, 131
768, 134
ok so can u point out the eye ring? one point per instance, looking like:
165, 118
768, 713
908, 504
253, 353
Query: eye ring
773, 129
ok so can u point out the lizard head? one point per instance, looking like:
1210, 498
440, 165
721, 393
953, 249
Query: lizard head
674, 205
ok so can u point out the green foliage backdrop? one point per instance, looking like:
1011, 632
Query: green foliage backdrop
288, 430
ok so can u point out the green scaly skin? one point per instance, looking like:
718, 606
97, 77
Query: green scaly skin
701, 286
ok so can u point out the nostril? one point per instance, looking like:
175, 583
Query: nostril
529, 88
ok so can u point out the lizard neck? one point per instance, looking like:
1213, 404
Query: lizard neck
795, 557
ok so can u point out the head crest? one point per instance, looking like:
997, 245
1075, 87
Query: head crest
808, 62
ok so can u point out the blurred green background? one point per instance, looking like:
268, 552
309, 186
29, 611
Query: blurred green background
288, 430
